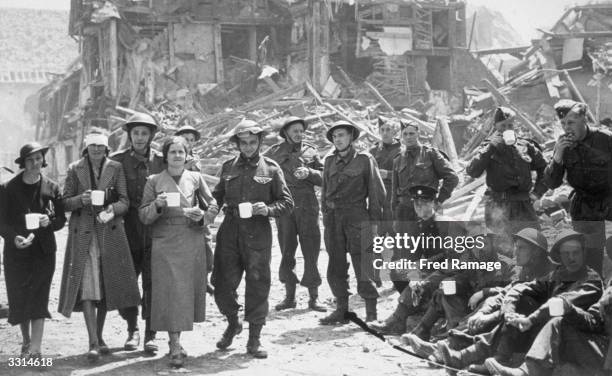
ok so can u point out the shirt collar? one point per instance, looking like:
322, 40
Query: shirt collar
140, 157
347, 158
253, 161
413, 150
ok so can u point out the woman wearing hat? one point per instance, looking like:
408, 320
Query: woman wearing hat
98, 273
177, 255
29, 254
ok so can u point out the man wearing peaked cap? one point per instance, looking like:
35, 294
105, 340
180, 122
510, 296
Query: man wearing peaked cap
583, 156
508, 161
251, 189
352, 197
302, 169
139, 161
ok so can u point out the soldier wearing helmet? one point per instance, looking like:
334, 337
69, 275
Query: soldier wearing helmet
191, 135
251, 189
302, 169
139, 161
352, 198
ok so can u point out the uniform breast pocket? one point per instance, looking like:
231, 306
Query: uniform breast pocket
262, 188
597, 170
424, 172
232, 186
349, 176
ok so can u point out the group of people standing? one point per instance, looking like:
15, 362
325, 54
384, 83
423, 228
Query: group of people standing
153, 217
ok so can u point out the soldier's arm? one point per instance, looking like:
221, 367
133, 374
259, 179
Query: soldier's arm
376, 190
480, 162
588, 321
583, 296
315, 169
283, 202
536, 289
219, 191
538, 164
324, 190
553, 174
206, 194
445, 171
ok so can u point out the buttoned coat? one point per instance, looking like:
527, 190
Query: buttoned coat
118, 276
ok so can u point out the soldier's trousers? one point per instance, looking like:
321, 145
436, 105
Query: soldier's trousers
244, 246
302, 222
595, 236
559, 342
348, 230
140, 250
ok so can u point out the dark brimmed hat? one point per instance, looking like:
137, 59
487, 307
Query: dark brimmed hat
140, 118
342, 124
565, 106
533, 237
188, 129
244, 128
565, 235
29, 149
423, 192
503, 114
291, 120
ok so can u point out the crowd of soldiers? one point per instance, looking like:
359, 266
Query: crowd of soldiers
398, 187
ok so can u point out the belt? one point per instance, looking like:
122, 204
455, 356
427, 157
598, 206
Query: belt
508, 196
231, 210
175, 221
344, 205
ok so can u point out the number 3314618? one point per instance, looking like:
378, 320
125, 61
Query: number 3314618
30, 362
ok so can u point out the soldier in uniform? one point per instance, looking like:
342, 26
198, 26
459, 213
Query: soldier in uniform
139, 161
508, 162
385, 152
583, 156
352, 197
417, 165
191, 135
244, 243
302, 170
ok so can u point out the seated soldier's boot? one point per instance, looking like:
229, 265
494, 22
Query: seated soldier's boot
337, 316
313, 302
371, 314
480, 369
473, 354
289, 301
496, 368
421, 347
234, 327
394, 324
423, 329
254, 347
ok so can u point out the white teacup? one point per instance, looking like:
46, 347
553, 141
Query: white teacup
449, 287
173, 199
97, 198
32, 221
509, 137
555, 307
245, 209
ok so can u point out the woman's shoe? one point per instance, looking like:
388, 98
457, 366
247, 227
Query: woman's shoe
182, 352
25, 350
177, 360
177, 355
93, 355
103, 348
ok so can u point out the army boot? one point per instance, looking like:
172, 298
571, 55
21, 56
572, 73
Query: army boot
474, 354
234, 327
289, 301
371, 314
394, 324
423, 329
313, 303
337, 316
253, 345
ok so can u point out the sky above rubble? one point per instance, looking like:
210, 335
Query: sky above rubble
524, 15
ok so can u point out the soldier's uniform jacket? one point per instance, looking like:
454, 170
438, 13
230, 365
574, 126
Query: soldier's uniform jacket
422, 165
582, 289
384, 154
509, 167
588, 172
290, 157
348, 181
254, 180
137, 168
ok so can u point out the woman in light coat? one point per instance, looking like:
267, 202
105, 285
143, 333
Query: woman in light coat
178, 259
98, 274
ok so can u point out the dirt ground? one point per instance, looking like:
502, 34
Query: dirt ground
296, 343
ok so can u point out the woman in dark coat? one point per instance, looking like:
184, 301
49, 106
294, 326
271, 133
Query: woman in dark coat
98, 274
29, 255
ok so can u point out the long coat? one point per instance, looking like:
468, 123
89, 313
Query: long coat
178, 259
118, 276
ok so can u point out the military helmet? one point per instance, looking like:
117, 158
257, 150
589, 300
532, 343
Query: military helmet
140, 118
188, 129
342, 124
291, 120
245, 127
533, 237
